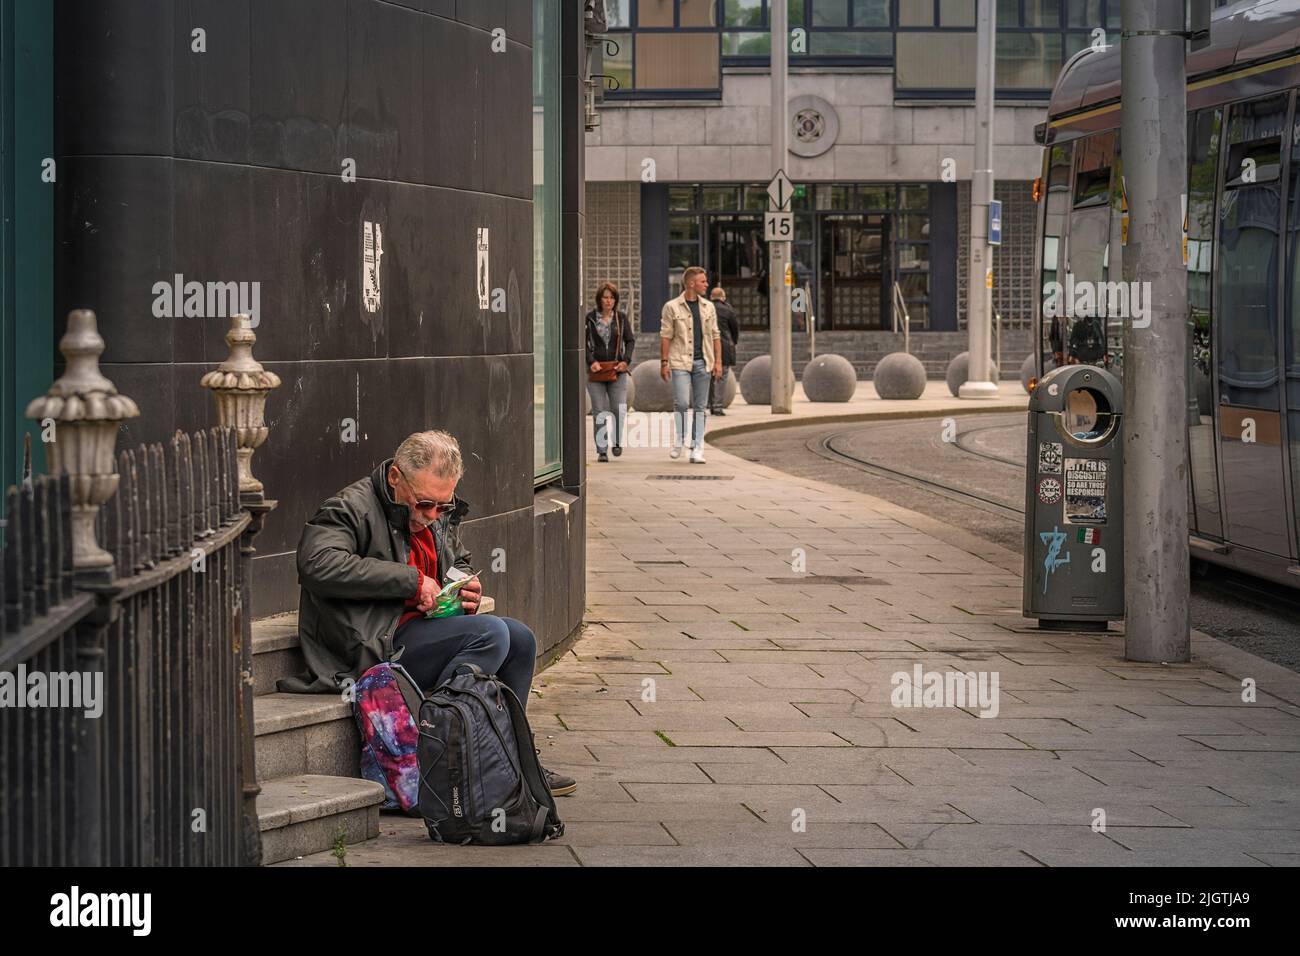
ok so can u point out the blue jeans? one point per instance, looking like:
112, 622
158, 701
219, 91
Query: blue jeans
434, 647
690, 388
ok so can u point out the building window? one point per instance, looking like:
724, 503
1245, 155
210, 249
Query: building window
547, 217
851, 243
664, 47
853, 31
677, 48
936, 44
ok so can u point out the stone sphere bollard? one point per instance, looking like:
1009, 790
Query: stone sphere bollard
653, 394
756, 381
829, 378
1026, 371
959, 372
899, 375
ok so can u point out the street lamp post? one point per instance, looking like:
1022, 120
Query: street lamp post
979, 299
779, 251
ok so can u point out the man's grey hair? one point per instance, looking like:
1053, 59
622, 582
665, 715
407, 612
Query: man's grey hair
434, 451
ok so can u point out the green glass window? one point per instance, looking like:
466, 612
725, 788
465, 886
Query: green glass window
547, 216
830, 13
742, 13
26, 225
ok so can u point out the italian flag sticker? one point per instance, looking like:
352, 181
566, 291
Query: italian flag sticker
1089, 536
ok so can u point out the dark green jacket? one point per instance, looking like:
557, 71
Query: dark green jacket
352, 566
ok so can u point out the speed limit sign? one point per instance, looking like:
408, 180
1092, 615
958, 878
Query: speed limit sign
778, 226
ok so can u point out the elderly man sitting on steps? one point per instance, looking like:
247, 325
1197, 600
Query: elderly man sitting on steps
370, 563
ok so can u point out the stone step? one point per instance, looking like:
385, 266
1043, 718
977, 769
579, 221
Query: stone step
305, 733
309, 813
276, 651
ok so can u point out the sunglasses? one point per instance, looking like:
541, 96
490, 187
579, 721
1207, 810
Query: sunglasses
438, 507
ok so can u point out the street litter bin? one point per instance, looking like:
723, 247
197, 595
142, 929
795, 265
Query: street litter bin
1074, 500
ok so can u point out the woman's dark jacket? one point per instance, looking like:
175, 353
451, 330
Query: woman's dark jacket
730, 329
598, 351
352, 566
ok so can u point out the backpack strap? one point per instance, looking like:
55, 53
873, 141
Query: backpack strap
538, 833
529, 766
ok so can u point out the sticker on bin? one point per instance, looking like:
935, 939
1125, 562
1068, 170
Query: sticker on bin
1085, 490
1049, 491
1089, 536
1050, 455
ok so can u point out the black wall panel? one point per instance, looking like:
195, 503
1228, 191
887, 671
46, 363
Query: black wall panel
225, 166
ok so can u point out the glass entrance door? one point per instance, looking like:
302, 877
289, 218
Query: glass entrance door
854, 274
737, 260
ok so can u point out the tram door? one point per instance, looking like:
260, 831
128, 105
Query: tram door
1248, 361
1291, 335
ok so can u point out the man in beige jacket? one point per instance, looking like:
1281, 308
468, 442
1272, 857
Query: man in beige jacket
690, 348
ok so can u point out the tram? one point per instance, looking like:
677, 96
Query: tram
1243, 269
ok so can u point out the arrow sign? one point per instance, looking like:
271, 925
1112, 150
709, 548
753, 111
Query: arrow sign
779, 190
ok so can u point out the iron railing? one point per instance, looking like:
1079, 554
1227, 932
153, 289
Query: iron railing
156, 776
126, 695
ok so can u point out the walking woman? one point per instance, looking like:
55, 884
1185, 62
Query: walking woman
610, 341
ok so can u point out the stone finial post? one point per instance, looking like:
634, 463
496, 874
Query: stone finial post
240, 386
82, 412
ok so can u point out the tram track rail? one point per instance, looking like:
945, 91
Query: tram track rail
825, 446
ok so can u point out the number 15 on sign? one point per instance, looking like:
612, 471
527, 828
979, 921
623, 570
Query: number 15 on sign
778, 226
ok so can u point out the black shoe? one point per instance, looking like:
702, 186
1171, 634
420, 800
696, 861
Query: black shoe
602, 457
618, 450
560, 784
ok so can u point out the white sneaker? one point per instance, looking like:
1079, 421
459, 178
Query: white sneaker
676, 452
697, 456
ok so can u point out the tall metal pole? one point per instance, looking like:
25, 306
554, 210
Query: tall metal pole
979, 299
1153, 142
779, 253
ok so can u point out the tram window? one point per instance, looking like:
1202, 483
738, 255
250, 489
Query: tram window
1092, 188
1248, 264
1056, 208
1089, 246
1203, 132
1255, 162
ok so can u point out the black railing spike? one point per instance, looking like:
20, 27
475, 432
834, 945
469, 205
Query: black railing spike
27, 459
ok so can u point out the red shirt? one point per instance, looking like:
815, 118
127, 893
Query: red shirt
424, 558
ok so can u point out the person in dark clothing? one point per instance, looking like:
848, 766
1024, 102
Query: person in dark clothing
371, 562
610, 339
729, 326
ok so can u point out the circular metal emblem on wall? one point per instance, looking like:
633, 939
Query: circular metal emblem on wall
814, 126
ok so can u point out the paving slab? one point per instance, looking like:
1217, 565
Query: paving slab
774, 737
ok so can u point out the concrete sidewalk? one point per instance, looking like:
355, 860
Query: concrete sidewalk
730, 704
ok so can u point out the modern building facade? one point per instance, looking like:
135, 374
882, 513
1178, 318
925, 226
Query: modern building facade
364, 168
881, 137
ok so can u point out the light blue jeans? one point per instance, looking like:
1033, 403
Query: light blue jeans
690, 388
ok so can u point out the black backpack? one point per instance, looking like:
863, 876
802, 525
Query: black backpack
480, 780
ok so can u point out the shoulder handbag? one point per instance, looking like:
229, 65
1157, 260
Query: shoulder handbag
608, 371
